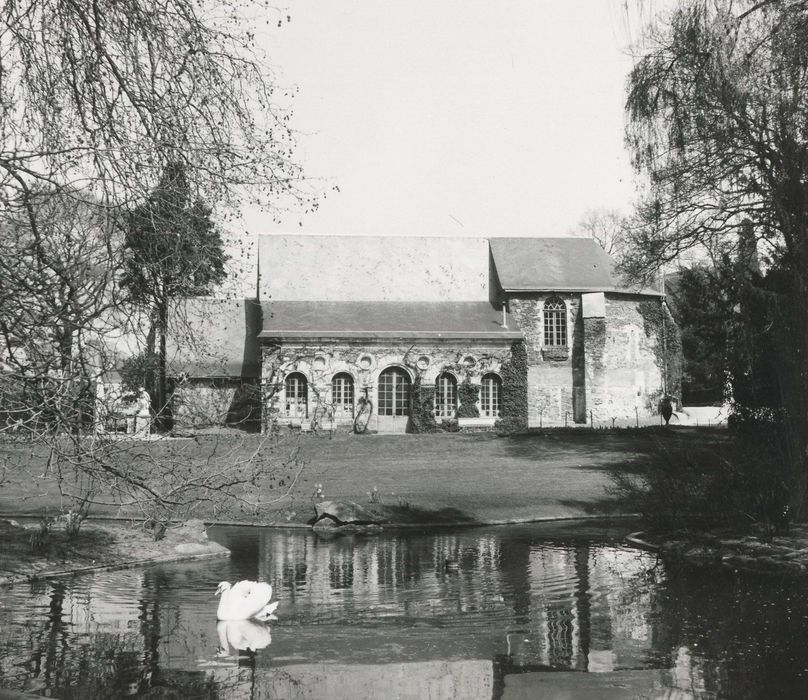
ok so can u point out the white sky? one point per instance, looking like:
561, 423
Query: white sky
450, 117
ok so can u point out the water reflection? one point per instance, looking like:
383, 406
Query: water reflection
242, 635
378, 617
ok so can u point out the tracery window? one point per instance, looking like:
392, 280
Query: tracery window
555, 322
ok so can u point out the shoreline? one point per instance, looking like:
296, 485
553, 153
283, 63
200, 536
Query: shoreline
96, 548
732, 551
195, 548
188, 542
386, 526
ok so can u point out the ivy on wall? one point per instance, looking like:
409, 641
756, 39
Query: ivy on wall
422, 416
514, 391
468, 394
468, 363
658, 323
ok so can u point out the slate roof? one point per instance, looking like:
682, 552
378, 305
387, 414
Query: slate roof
556, 264
386, 319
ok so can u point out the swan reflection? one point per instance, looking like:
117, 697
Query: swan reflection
242, 635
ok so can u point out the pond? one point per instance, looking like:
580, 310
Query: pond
510, 613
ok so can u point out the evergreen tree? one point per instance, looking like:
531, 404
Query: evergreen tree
173, 250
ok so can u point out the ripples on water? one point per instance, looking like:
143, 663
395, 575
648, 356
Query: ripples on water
516, 613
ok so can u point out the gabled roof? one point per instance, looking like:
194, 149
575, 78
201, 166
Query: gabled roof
386, 319
541, 264
556, 264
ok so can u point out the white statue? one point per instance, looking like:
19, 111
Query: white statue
143, 401
143, 417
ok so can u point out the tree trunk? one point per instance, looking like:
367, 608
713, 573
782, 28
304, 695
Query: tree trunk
798, 418
163, 411
793, 366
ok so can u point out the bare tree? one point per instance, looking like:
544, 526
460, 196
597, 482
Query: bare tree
58, 312
607, 227
102, 95
97, 99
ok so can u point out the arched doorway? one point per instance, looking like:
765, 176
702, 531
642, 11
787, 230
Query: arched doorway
393, 402
342, 395
445, 396
296, 391
490, 396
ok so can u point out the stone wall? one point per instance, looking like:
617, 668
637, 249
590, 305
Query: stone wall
613, 368
555, 379
624, 372
364, 362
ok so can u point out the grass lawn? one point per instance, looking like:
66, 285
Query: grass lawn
473, 478
482, 477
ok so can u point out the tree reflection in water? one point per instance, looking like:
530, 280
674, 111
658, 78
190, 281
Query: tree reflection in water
364, 616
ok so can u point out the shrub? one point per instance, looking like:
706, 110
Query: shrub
739, 482
468, 394
138, 371
450, 425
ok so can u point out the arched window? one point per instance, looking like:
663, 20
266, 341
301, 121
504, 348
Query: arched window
297, 395
555, 322
394, 392
342, 395
490, 393
445, 396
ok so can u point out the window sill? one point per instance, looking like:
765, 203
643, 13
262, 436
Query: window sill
555, 352
476, 422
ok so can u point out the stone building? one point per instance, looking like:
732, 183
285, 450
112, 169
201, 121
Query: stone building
393, 333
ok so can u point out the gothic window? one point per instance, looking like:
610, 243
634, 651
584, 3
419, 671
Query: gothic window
296, 389
445, 396
394, 392
555, 322
342, 395
490, 393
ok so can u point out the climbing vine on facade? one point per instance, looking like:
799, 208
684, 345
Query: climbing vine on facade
514, 391
422, 410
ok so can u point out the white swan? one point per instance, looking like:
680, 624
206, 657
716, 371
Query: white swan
245, 600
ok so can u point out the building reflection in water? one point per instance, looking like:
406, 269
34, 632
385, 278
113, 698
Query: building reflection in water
576, 608
360, 617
